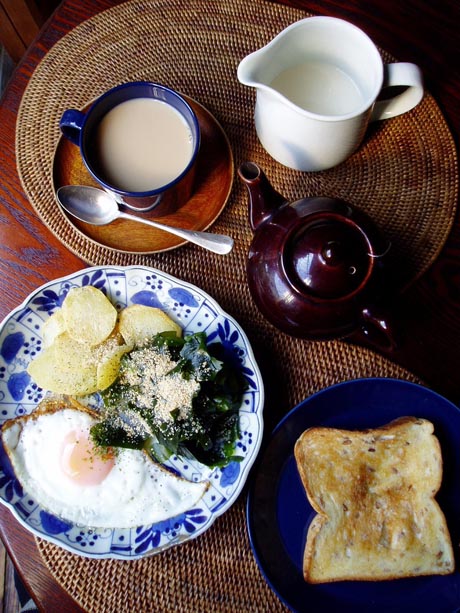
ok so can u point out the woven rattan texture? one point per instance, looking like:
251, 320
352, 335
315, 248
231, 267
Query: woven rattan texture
216, 573
405, 176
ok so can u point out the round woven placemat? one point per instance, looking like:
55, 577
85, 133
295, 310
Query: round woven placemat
404, 176
217, 572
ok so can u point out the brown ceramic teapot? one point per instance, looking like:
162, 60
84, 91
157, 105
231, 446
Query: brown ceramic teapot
317, 267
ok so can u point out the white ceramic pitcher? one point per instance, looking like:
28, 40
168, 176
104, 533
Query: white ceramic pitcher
317, 85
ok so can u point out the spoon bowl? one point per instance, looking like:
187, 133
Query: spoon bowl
96, 207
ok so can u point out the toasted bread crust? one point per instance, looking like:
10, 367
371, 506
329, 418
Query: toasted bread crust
373, 491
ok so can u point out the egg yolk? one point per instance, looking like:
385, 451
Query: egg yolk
82, 462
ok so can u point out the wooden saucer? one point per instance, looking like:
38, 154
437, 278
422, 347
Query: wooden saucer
213, 184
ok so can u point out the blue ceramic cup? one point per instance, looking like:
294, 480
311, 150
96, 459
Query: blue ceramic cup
81, 128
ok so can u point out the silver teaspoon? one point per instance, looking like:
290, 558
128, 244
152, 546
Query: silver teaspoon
96, 207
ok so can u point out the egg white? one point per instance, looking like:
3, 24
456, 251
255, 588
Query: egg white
135, 492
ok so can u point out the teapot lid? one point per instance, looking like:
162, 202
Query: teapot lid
329, 257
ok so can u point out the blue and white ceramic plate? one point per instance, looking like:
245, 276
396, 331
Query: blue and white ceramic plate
195, 311
278, 506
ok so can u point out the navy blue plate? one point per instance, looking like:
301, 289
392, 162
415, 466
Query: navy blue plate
279, 514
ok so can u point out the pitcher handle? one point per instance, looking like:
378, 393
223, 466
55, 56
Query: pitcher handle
400, 74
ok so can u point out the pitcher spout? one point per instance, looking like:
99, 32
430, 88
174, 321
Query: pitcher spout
250, 68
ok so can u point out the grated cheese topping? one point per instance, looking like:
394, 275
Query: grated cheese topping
149, 378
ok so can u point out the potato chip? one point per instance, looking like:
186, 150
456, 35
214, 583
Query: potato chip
52, 328
83, 343
138, 323
65, 367
108, 365
89, 315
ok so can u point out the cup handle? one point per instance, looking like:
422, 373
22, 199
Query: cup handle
71, 124
400, 74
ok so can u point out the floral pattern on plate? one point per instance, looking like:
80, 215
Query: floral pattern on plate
195, 311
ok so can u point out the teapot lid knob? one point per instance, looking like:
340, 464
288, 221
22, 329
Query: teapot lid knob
332, 253
328, 257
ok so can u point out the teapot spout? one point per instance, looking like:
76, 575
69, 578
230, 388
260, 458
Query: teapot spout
263, 198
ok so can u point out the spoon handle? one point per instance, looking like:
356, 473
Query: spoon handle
217, 243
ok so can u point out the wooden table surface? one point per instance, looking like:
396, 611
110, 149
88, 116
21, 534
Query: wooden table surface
429, 312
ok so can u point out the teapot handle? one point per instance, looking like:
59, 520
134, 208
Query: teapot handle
376, 329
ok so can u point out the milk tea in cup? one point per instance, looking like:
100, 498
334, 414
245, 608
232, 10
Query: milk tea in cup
140, 142
143, 144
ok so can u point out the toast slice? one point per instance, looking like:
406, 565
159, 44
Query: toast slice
373, 491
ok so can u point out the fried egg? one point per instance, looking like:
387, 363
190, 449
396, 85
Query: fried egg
53, 458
